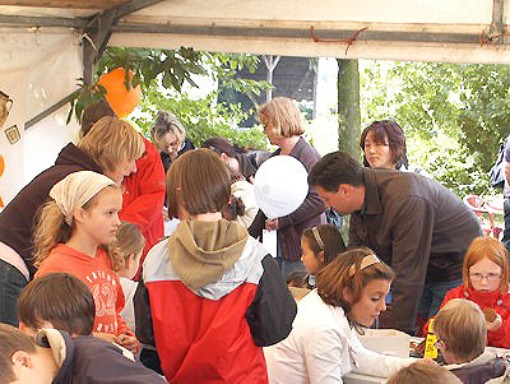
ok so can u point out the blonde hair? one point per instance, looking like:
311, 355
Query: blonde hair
52, 230
111, 142
347, 270
421, 372
283, 115
167, 122
486, 247
460, 324
129, 240
199, 182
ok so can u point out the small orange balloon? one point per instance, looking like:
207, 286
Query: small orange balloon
2, 165
121, 99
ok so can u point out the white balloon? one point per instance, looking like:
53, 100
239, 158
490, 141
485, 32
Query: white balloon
281, 186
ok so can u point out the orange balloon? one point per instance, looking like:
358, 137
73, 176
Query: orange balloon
2, 165
121, 99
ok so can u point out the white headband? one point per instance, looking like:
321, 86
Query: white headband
366, 262
317, 237
76, 189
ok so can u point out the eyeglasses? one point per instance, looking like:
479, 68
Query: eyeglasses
489, 276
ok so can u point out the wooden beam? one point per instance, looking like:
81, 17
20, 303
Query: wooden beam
99, 31
69, 4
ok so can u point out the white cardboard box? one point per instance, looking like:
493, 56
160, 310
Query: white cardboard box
388, 341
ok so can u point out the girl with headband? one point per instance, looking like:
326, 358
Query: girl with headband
76, 234
320, 245
323, 345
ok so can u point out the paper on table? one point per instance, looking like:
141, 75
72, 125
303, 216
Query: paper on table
269, 241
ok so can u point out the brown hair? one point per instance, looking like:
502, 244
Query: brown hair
390, 131
111, 142
421, 372
199, 182
331, 238
346, 271
486, 247
460, 324
129, 240
221, 145
93, 113
283, 115
52, 230
12, 341
61, 299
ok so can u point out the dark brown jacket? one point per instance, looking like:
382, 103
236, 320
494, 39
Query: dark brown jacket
418, 227
308, 215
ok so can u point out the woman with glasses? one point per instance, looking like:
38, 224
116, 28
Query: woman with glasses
485, 282
169, 136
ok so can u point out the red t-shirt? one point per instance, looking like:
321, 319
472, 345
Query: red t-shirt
98, 275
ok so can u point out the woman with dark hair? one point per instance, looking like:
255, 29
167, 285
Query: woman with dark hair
384, 146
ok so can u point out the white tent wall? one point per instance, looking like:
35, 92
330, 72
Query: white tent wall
39, 80
283, 28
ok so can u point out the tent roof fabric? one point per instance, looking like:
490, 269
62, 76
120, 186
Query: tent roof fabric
430, 30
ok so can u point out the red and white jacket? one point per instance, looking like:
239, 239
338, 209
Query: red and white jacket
213, 334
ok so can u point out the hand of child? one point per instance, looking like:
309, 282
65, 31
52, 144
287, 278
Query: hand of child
128, 342
494, 325
272, 224
105, 336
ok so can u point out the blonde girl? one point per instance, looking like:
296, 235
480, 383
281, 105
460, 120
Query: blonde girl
75, 233
485, 282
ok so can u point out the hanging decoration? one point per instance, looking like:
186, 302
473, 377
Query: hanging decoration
122, 99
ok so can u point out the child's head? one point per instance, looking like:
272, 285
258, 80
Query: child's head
320, 245
197, 183
235, 207
21, 361
486, 265
57, 300
83, 202
358, 282
461, 332
297, 279
423, 372
130, 242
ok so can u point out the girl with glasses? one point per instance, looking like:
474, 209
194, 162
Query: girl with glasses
485, 282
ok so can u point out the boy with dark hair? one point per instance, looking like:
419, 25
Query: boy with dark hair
59, 301
62, 301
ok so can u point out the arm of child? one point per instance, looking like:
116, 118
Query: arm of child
273, 309
499, 336
144, 329
125, 336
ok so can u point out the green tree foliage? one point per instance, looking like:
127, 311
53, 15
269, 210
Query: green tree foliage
203, 116
166, 77
454, 116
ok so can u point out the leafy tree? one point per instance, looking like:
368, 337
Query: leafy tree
454, 116
166, 76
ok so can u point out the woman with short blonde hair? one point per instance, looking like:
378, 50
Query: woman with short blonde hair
282, 126
111, 147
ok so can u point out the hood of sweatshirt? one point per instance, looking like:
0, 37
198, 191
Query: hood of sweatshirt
202, 252
71, 155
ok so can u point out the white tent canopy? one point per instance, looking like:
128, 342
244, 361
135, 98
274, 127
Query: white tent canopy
44, 50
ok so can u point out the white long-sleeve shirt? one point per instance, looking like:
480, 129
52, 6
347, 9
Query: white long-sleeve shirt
322, 347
